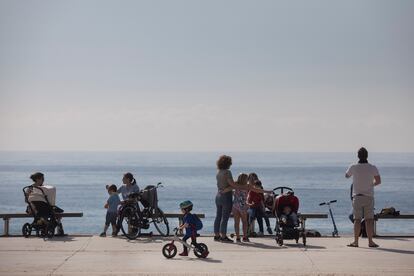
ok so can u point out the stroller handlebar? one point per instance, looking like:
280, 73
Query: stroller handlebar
281, 188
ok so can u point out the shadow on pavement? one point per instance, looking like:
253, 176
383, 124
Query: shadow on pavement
400, 251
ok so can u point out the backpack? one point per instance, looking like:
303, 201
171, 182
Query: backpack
198, 223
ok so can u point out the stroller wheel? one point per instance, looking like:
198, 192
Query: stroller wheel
26, 230
279, 240
43, 231
169, 250
50, 230
304, 238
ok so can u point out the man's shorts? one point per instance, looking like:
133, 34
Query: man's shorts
110, 218
363, 207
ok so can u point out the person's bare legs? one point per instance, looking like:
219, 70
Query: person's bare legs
236, 215
369, 224
114, 230
245, 223
357, 230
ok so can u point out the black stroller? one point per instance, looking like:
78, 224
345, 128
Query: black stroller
45, 220
287, 227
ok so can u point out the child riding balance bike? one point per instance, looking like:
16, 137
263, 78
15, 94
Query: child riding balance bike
192, 224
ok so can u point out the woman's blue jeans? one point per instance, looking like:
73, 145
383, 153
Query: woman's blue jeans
224, 204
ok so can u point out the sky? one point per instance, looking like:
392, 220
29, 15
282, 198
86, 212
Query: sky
272, 76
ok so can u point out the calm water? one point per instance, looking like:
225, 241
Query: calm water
80, 178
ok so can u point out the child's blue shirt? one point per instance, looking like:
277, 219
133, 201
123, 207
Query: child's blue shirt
113, 202
192, 221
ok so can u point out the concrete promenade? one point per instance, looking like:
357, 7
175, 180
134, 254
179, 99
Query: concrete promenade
92, 255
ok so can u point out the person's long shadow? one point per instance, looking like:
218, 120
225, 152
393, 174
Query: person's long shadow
257, 245
308, 246
265, 246
400, 251
394, 238
68, 238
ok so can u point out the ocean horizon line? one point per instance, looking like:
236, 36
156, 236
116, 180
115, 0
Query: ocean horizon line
202, 151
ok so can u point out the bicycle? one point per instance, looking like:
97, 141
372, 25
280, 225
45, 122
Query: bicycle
133, 219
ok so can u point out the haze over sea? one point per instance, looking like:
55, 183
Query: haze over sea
80, 179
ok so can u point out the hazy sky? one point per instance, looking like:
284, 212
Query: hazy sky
207, 75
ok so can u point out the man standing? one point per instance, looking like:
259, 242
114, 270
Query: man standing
365, 177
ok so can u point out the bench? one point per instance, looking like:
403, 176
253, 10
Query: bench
382, 216
7, 217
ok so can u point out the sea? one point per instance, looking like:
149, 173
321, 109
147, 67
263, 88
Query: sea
80, 179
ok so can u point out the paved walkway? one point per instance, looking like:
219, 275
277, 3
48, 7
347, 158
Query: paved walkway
92, 255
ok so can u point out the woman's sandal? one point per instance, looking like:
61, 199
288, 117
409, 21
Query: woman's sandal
352, 244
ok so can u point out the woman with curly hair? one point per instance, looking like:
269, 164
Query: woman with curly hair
224, 197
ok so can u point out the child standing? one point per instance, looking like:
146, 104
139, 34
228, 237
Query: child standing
112, 211
191, 224
240, 207
256, 206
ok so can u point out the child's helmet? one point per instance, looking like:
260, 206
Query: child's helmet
186, 204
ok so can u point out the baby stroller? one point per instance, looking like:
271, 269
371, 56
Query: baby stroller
288, 227
44, 214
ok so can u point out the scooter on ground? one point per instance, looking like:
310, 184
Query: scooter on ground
335, 231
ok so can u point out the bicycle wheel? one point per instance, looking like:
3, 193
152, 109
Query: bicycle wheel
130, 221
161, 223
201, 250
169, 250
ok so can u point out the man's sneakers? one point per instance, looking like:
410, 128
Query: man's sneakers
103, 234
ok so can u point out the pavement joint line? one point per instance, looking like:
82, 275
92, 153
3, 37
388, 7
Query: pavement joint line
314, 266
82, 248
